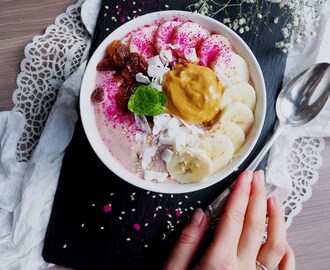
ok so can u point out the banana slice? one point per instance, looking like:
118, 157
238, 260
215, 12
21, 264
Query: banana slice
238, 113
232, 66
232, 131
188, 36
241, 92
219, 148
211, 48
142, 42
190, 166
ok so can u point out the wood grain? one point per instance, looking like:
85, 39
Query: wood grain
21, 20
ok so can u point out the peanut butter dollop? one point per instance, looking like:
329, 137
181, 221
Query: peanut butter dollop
193, 93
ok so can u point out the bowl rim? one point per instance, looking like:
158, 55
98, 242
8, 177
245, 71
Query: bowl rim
88, 116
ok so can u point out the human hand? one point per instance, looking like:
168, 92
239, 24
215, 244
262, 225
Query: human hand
237, 242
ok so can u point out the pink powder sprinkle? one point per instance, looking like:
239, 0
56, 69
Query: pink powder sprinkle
164, 33
122, 19
136, 227
211, 48
142, 41
107, 208
177, 213
113, 113
188, 35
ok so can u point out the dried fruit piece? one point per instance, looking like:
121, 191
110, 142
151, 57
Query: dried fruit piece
136, 63
112, 46
105, 64
97, 95
120, 54
127, 64
122, 98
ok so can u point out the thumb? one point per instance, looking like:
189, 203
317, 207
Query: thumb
188, 242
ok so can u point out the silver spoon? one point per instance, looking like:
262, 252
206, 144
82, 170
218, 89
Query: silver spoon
300, 100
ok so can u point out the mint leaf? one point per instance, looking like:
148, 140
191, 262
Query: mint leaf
147, 101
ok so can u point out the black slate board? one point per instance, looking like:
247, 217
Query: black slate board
80, 234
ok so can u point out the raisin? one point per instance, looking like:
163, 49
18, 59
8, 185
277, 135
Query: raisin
112, 46
120, 55
97, 95
126, 65
122, 98
105, 64
129, 86
137, 63
127, 75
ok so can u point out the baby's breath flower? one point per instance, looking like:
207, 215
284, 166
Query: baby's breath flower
241, 21
295, 21
294, 14
279, 44
313, 34
235, 25
298, 39
285, 32
226, 20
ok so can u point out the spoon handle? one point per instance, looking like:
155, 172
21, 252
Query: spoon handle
254, 164
215, 208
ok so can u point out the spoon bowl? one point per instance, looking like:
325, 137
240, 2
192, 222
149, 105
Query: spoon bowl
300, 100
303, 97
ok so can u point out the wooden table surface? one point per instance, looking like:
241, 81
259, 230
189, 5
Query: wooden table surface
21, 20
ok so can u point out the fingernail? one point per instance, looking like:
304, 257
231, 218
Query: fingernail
261, 175
249, 176
197, 216
277, 201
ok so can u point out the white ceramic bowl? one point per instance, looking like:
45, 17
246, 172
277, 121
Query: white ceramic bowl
88, 117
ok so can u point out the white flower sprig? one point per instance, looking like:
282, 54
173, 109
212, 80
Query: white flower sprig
300, 17
303, 19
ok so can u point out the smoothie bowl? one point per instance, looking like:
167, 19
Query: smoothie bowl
173, 101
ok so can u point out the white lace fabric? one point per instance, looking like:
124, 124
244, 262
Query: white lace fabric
50, 60
304, 160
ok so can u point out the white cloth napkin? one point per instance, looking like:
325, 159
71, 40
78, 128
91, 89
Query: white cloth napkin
313, 50
27, 189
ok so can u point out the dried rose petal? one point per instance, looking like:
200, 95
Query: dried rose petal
136, 227
107, 208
